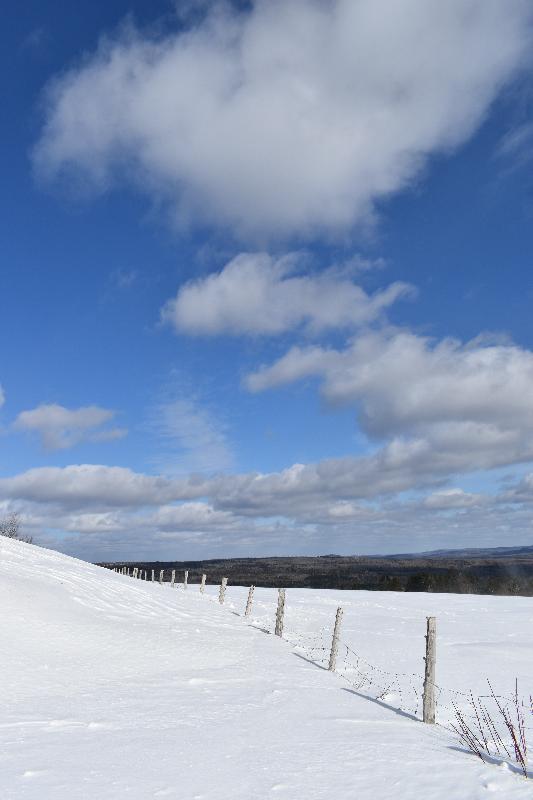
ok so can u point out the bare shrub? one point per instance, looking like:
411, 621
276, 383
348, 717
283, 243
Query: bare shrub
10, 528
502, 733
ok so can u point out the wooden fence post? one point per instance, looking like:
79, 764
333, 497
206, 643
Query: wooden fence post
185, 579
280, 613
202, 584
222, 592
161, 577
429, 676
248, 610
173, 577
153, 576
335, 641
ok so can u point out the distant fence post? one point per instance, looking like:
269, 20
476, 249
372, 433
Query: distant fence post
153, 576
222, 592
173, 578
161, 577
185, 579
280, 612
335, 641
202, 584
248, 610
429, 675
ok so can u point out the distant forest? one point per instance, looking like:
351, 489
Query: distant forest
505, 575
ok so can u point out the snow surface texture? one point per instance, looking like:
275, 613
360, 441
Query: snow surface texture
115, 688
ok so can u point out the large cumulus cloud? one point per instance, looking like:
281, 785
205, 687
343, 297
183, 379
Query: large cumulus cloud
292, 117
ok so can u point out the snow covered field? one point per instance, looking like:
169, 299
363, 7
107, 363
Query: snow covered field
114, 688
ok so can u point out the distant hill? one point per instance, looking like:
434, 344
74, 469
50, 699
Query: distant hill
468, 552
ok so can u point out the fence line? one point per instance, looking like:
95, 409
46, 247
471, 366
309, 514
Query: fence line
417, 694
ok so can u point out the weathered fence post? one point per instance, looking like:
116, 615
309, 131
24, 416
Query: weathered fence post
222, 592
153, 576
173, 577
429, 675
248, 610
161, 577
335, 641
280, 613
185, 579
202, 584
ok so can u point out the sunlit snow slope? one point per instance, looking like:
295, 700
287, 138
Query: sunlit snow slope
114, 688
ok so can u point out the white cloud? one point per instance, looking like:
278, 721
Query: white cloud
292, 117
443, 409
60, 427
191, 516
191, 438
313, 508
80, 486
522, 492
202, 530
402, 383
257, 294
454, 498
300, 492
516, 147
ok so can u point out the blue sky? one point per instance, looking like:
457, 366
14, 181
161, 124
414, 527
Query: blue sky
266, 276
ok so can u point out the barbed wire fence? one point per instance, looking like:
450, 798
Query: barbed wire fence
481, 721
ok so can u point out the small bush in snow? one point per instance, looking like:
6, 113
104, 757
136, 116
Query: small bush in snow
10, 528
501, 735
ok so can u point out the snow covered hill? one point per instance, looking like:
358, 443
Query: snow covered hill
114, 688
